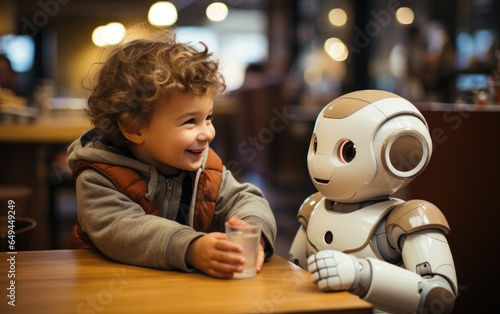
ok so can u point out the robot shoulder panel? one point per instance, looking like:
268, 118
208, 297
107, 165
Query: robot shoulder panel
415, 215
307, 208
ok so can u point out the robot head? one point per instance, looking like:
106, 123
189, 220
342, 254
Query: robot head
367, 144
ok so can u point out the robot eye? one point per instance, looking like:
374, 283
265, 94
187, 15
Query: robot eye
347, 151
314, 143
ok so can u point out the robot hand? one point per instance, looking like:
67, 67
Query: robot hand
336, 271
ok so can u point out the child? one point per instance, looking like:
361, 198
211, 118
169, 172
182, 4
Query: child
150, 191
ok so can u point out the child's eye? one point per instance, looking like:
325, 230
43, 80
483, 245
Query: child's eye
190, 121
210, 117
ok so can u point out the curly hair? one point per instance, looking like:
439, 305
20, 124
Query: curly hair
139, 72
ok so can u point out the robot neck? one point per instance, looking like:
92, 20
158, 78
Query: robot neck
350, 207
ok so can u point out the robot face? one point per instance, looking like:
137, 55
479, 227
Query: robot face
367, 144
339, 152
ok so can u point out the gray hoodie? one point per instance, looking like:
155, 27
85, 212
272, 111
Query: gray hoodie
120, 228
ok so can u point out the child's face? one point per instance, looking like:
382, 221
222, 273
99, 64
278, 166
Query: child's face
179, 131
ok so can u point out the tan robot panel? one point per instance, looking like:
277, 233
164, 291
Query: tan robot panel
415, 215
307, 208
346, 105
372, 96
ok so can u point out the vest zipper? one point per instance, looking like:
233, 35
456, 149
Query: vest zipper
170, 184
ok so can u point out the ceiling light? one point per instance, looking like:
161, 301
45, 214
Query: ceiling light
338, 17
162, 13
217, 11
405, 15
109, 34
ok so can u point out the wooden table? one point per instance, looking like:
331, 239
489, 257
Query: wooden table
56, 126
84, 281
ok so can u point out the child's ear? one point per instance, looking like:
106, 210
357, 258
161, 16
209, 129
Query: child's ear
134, 137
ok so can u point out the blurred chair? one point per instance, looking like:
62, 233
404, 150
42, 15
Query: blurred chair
20, 239
259, 126
61, 198
14, 200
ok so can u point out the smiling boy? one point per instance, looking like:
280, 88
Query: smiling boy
150, 190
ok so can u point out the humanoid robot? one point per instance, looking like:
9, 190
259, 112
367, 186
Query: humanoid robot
354, 236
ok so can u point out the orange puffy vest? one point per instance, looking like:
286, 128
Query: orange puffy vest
130, 183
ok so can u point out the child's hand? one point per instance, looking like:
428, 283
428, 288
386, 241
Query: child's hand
212, 255
261, 256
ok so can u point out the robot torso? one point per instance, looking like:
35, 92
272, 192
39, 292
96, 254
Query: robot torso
358, 232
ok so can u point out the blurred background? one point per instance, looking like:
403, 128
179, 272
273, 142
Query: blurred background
424, 50
283, 60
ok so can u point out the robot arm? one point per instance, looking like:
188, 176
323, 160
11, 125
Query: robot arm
298, 250
387, 286
427, 284
417, 229
297, 253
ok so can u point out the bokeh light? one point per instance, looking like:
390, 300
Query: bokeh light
162, 13
336, 49
405, 15
337, 17
217, 11
109, 34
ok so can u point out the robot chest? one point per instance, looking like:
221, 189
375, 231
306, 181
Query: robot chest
347, 232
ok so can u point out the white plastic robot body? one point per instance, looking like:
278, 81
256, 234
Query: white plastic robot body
353, 236
398, 272
347, 232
